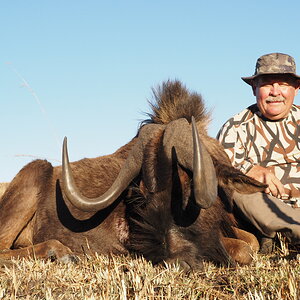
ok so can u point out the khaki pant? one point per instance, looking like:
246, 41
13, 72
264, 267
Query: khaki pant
269, 214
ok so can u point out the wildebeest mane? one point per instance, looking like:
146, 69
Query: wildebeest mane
172, 101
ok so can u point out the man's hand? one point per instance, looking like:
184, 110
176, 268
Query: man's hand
265, 175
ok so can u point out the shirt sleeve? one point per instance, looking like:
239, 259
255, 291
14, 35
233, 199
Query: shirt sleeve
234, 140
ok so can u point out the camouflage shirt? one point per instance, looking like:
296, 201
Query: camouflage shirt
250, 139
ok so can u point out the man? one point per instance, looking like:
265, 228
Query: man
263, 141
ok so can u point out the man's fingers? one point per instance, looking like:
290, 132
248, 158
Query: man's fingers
275, 186
274, 190
279, 186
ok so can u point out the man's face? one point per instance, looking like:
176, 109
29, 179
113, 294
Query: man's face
275, 95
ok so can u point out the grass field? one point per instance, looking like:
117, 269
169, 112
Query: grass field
274, 276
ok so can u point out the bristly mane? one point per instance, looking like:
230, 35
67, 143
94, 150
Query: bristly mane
173, 101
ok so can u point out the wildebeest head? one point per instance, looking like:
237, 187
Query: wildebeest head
177, 167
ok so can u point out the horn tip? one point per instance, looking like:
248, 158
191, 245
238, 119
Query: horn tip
64, 150
65, 142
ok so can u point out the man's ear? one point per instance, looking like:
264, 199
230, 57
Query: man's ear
297, 88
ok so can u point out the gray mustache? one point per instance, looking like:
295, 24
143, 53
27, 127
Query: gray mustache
275, 99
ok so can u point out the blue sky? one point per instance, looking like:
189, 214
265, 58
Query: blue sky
85, 69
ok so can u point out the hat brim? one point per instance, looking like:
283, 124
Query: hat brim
249, 80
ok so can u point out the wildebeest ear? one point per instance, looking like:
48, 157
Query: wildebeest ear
230, 177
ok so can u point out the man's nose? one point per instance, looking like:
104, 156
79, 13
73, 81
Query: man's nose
275, 90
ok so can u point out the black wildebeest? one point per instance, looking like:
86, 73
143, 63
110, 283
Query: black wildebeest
166, 195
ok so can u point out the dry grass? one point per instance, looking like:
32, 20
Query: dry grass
102, 277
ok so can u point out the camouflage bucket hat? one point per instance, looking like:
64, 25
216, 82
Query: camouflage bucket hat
273, 63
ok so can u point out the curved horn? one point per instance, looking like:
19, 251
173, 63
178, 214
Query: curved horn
204, 175
130, 170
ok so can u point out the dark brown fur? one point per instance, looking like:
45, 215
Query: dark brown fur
156, 215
